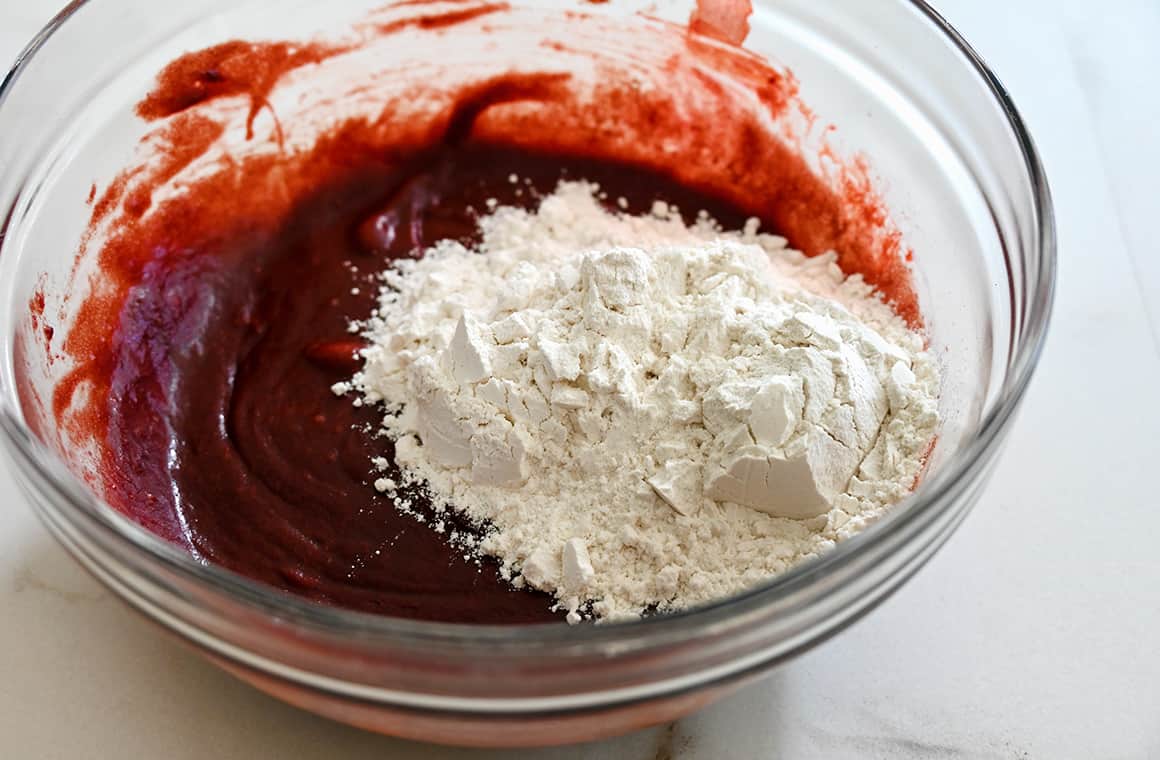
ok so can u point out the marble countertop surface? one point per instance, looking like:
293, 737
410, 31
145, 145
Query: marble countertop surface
1034, 634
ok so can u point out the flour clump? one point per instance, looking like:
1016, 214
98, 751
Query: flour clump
642, 414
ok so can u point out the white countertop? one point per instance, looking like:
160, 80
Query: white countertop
1033, 634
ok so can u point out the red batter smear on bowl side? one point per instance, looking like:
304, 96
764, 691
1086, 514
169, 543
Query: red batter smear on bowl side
204, 354
725, 20
232, 68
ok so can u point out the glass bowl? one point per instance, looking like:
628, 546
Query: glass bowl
960, 175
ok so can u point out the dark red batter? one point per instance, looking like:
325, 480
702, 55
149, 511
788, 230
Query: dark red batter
222, 385
218, 326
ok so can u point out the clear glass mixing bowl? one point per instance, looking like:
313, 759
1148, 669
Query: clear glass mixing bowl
960, 174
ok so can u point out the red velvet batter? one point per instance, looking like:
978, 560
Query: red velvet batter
221, 412
209, 349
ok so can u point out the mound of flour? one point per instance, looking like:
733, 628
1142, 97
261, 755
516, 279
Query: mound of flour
641, 414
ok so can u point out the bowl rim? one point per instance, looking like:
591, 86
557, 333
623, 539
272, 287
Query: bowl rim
1028, 338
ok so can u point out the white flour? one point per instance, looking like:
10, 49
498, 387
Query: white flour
642, 414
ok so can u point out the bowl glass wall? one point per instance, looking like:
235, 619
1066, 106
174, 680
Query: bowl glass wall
958, 172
